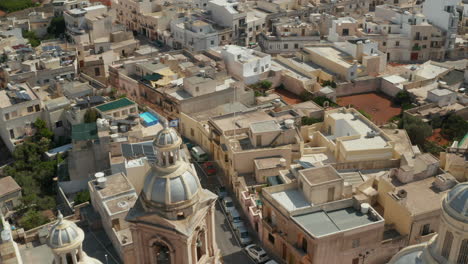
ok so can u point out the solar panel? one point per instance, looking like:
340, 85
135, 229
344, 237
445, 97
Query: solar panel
305, 164
23, 96
136, 150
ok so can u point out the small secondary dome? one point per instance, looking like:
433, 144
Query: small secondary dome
167, 137
456, 202
64, 233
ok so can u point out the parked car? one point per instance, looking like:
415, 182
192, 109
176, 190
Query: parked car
244, 236
271, 262
235, 218
257, 253
228, 204
198, 154
221, 192
209, 168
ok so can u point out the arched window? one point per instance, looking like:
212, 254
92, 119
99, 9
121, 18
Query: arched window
447, 244
463, 254
69, 258
200, 245
162, 253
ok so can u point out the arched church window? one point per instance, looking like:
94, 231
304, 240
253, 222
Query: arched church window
163, 255
447, 245
201, 245
69, 258
463, 254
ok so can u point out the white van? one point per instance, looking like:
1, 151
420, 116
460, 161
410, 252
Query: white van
198, 154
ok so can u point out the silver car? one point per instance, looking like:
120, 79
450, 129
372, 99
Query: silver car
235, 218
244, 236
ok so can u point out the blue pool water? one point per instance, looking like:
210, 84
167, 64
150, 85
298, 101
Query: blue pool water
149, 119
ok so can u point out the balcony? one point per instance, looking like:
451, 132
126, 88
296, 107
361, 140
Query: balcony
416, 48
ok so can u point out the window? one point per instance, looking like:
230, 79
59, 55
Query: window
355, 261
425, 229
192, 132
397, 43
356, 243
59, 123
197, 89
30, 109
250, 29
271, 238
257, 27
163, 255
212, 42
345, 32
223, 37
447, 245
97, 72
384, 43
304, 245
12, 133
285, 46
463, 254
37, 107
226, 158
7, 116
296, 46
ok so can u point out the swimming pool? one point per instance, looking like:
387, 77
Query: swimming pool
149, 119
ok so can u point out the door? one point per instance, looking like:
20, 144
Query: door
331, 194
414, 56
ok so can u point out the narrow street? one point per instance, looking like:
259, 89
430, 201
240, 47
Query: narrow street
225, 238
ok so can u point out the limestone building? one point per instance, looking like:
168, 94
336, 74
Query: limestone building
450, 245
173, 218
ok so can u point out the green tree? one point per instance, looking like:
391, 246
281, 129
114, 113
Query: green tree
91, 115
82, 197
32, 219
32, 38
417, 129
402, 98
15, 5
265, 84
306, 96
330, 83
307, 121
320, 100
42, 131
56, 27
454, 127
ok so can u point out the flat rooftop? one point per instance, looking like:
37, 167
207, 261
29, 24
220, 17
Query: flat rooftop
320, 175
331, 53
324, 223
121, 204
346, 124
267, 163
265, 126
421, 196
240, 119
291, 199
116, 183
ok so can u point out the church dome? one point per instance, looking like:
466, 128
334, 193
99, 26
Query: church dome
456, 202
64, 233
179, 186
167, 137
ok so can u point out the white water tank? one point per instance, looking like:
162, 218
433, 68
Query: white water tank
282, 162
123, 128
289, 123
98, 175
114, 137
365, 208
102, 182
114, 129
